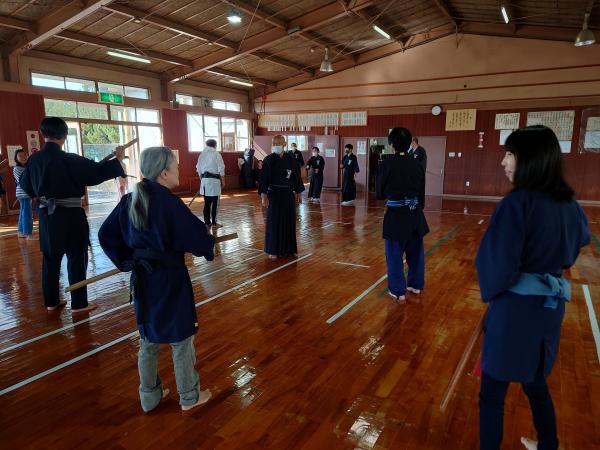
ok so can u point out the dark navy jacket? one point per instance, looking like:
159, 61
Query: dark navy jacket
53, 173
528, 232
170, 313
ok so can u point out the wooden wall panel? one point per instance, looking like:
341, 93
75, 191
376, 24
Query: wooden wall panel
18, 113
481, 166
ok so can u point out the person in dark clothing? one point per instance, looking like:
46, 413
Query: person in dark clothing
58, 179
149, 232
280, 188
401, 181
297, 154
534, 235
350, 166
418, 152
317, 164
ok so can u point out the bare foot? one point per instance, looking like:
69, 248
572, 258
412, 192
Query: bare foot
54, 308
217, 225
529, 444
413, 290
89, 307
398, 298
165, 393
202, 399
31, 237
272, 256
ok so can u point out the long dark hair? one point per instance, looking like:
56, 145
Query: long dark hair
539, 162
16, 159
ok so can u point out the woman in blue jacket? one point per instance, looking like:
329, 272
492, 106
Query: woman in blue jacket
149, 232
535, 233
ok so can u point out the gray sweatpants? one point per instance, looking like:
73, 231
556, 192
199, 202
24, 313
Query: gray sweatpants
186, 376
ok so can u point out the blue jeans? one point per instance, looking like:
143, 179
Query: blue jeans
415, 258
186, 377
25, 216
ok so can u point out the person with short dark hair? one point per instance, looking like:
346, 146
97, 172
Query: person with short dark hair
535, 233
25, 226
401, 182
418, 152
317, 164
149, 232
211, 170
280, 189
297, 154
350, 166
58, 180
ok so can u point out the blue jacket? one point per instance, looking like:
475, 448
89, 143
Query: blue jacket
169, 314
529, 232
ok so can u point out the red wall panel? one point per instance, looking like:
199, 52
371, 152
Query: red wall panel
18, 113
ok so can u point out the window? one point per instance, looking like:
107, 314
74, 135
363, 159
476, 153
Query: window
192, 100
51, 81
195, 132
60, 108
136, 92
110, 88
147, 115
122, 113
243, 134
228, 134
184, 99
211, 128
81, 85
300, 141
75, 84
231, 134
92, 111
83, 110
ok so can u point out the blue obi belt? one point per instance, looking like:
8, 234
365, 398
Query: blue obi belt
553, 288
411, 203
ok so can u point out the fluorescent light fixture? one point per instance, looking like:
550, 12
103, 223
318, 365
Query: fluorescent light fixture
585, 36
234, 16
504, 14
243, 83
381, 32
326, 65
128, 55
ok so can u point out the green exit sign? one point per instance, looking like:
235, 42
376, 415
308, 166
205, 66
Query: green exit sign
105, 97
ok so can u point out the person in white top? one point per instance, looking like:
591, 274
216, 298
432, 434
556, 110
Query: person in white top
211, 170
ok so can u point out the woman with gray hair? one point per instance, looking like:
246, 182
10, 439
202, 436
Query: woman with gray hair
148, 233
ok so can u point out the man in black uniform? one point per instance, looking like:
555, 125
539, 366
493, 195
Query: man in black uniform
401, 181
58, 179
297, 154
418, 152
350, 166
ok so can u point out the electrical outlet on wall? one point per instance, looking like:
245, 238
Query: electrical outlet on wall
467, 184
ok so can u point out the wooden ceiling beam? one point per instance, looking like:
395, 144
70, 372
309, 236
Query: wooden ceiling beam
250, 79
176, 27
309, 21
17, 24
283, 62
52, 24
101, 42
443, 7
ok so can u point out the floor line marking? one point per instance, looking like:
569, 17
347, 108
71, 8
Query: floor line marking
593, 319
351, 264
133, 333
102, 314
342, 311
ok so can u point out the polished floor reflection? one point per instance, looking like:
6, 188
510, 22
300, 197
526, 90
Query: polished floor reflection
308, 353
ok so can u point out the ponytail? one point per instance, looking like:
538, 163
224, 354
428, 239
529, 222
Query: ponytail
153, 161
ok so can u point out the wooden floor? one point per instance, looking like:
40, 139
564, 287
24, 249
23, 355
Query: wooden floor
284, 369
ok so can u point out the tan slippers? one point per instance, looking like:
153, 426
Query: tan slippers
54, 308
89, 307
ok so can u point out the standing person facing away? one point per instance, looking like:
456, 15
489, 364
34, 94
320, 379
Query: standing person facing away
149, 232
535, 234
